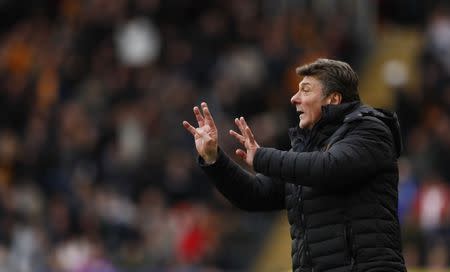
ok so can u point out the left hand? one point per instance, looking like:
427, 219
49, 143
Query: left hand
247, 139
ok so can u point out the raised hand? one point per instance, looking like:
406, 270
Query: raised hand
247, 139
205, 135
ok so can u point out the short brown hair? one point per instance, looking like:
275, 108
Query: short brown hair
335, 76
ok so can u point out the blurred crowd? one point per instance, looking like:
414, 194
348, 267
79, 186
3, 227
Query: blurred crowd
424, 113
96, 171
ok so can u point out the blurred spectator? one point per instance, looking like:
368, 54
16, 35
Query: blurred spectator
407, 188
431, 205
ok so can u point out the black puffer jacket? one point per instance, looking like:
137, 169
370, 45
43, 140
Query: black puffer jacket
338, 184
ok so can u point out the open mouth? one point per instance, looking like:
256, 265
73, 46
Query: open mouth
300, 113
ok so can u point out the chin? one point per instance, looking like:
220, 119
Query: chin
304, 125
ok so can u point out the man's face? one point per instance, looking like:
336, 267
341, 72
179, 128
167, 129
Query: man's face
308, 101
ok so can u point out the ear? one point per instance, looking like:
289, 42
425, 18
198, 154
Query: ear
335, 98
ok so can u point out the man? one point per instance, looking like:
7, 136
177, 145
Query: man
338, 183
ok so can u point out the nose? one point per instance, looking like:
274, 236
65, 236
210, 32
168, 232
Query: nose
295, 99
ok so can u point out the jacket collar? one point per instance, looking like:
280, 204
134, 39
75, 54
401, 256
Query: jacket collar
331, 115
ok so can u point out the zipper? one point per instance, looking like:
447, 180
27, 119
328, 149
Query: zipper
348, 234
300, 208
307, 254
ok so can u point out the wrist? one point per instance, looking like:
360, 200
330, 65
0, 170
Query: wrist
210, 158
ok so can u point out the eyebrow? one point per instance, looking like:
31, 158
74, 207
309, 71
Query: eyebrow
304, 83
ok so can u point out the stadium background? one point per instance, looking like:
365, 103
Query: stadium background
97, 173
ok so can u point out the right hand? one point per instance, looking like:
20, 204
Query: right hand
247, 139
205, 135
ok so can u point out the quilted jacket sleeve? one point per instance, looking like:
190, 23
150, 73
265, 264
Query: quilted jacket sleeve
243, 189
365, 151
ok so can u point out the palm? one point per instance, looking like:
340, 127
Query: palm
205, 140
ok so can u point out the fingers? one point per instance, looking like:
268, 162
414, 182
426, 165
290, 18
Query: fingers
238, 136
244, 128
240, 125
208, 117
190, 128
243, 122
199, 117
250, 135
241, 153
246, 132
